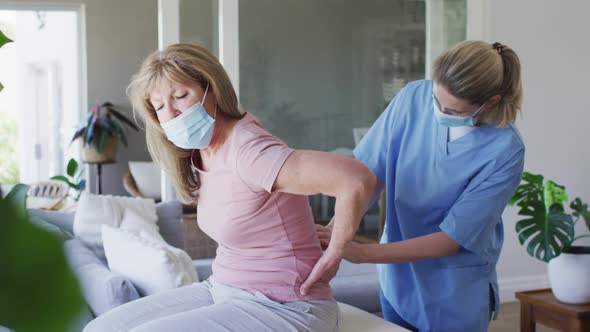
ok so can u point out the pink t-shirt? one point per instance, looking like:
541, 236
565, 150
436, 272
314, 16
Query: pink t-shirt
267, 240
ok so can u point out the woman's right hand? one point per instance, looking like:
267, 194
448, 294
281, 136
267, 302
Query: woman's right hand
324, 234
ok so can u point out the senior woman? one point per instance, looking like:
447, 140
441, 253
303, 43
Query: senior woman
250, 190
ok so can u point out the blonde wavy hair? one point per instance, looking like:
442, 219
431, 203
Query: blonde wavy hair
477, 71
182, 64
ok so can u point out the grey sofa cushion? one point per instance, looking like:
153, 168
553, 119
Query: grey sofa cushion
62, 220
102, 288
354, 284
203, 267
169, 221
357, 285
59, 232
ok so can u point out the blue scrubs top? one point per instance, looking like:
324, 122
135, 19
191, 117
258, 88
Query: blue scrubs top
460, 188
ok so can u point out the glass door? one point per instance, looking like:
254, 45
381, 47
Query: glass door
317, 74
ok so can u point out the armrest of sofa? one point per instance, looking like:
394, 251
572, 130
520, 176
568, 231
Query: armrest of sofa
102, 288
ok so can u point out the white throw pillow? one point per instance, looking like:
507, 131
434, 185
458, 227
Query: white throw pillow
151, 265
147, 176
93, 211
134, 223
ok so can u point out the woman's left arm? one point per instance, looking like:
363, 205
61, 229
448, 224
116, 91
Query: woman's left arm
346, 179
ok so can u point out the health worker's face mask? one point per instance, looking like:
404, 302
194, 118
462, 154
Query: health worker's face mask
447, 120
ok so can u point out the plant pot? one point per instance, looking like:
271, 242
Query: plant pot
108, 155
569, 275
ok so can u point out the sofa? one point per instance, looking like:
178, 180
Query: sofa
355, 285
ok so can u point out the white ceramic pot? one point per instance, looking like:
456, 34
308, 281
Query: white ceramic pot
569, 275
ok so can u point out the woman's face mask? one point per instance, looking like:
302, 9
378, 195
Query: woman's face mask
448, 120
453, 120
191, 128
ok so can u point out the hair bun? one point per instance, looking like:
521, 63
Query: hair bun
498, 47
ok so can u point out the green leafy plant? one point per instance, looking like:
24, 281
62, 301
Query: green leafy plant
52, 296
74, 178
3, 40
547, 228
102, 121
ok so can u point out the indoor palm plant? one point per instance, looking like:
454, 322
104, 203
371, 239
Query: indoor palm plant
548, 231
101, 132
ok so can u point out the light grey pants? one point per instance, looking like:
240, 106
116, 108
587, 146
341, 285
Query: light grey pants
211, 306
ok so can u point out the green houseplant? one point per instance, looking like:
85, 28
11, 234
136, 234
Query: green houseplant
3, 40
548, 232
101, 132
73, 178
53, 297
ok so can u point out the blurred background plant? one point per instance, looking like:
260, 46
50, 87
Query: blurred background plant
33, 301
73, 178
103, 121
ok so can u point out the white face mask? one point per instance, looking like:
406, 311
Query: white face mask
193, 129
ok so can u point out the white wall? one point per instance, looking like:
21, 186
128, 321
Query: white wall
551, 39
119, 35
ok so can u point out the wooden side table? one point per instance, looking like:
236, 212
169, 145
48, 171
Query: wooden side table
540, 306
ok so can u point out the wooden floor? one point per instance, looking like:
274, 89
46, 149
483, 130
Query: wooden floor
509, 320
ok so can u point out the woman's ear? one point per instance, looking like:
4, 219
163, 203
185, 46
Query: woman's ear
494, 100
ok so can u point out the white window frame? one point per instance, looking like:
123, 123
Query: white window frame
169, 33
80, 10
478, 28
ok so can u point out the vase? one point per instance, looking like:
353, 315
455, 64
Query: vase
569, 275
108, 154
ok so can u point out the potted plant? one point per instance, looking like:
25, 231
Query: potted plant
548, 231
101, 132
21, 284
73, 178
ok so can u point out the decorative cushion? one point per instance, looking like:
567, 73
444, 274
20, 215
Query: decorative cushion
169, 221
96, 210
147, 176
151, 264
102, 288
134, 223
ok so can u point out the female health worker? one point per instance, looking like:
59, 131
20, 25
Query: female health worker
449, 156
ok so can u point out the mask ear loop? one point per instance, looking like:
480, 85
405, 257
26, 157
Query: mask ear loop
205, 95
203, 102
481, 108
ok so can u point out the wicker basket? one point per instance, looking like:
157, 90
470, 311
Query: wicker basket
108, 155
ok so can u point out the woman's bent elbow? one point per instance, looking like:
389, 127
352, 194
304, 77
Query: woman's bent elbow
365, 181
